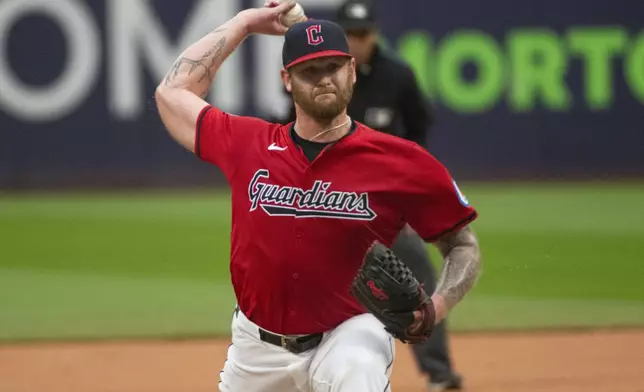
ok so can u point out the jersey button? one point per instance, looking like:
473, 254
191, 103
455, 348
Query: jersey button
296, 276
292, 312
299, 234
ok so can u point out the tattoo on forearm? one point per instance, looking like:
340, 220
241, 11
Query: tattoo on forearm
461, 265
206, 64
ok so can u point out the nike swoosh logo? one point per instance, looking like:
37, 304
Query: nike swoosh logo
274, 147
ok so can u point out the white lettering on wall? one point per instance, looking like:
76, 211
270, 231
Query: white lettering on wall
137, 44
78, 77
137, 35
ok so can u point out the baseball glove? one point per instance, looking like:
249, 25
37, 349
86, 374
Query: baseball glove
385, 286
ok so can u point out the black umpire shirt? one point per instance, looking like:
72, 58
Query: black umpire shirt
386, 98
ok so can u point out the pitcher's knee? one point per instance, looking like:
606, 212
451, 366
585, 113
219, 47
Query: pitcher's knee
364, 361
362, 370
352, 368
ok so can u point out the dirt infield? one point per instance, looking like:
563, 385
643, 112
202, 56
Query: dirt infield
553, 362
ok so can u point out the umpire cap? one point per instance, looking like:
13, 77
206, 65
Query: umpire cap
313, 39
358, 15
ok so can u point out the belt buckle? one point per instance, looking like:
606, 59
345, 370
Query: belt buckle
284, 341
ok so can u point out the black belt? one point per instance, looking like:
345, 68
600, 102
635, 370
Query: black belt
294, 344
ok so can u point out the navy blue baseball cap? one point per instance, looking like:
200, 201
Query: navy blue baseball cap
313, 39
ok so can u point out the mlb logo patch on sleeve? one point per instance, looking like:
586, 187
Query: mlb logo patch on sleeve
461, 196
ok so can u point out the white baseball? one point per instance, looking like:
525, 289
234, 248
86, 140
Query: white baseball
294, 16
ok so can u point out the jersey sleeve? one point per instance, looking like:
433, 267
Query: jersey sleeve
433, 204
222, 138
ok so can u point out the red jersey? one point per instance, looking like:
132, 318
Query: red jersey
300, 229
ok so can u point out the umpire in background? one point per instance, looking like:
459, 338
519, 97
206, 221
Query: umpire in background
386, 97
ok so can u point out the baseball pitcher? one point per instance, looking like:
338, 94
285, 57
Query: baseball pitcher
316, 204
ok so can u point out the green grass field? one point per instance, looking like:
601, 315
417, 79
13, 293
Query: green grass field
156, 265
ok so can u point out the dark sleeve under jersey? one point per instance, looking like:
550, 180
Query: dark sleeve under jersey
415, 109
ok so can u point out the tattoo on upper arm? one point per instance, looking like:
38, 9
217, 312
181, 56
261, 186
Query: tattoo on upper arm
461, 265
205, 64
450, 240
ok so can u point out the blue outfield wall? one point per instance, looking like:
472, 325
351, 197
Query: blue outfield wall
532, 89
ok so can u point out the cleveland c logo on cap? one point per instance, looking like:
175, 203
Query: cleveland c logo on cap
314, 34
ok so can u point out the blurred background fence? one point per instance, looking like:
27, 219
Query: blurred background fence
533, 89
540, 91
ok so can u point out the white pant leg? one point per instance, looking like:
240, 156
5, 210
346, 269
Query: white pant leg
357, 356
256, 366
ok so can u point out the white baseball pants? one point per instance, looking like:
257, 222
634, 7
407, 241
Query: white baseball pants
357, 356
